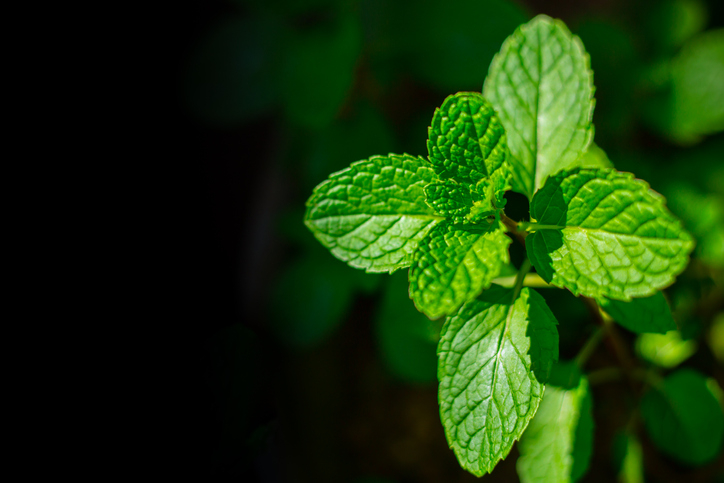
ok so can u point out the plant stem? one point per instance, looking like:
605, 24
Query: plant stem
530, 280
527, 226
512, 227
601, 376
613, 342
520, 278
589, 347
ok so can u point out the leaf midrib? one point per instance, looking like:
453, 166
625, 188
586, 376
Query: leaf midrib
600, 230
346, 215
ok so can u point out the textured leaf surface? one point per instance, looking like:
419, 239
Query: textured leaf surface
454, 263
649, 314
557, 445
466, 140
541, 85
451, 199
684, 418
373, 214
605, 233
494, 358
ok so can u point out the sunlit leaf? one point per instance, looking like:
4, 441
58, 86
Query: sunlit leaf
454, 263
541, 85
494, 358
604, 233
373, 214
557, 445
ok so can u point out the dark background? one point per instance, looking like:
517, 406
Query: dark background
264, 373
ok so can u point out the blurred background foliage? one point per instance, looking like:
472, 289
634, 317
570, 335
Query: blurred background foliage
313, 371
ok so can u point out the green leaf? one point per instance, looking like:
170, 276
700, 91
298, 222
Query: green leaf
454, 263
697, 97
373, 214
684, 418
649, 314
703, 214
541, 85
594, 157
494, 358
557, 445
665, 350
319, 68
466, 141
311, 299
604, 233
451, 199
407, 339
628, 458
447, 46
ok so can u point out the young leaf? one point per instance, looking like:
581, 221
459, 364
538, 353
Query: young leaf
494, 358
466, 140
454, 263
684, 418
373, 214
541, 84
557, 445
604, 233
452, 200
649, 314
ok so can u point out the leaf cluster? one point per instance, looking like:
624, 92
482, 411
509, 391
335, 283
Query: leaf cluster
597, 232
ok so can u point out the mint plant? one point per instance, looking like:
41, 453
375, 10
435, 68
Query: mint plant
601, 234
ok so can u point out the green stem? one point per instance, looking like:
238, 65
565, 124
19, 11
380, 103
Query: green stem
520, 278
589, 347
512, 227
530, 280
527, 226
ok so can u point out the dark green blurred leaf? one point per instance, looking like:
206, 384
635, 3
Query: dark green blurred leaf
311, 299
362, 134
703, 215
232, 74
684, 418
615, 65
450, 44
696, 101
406, 338
639, 315
672, 22
319, 68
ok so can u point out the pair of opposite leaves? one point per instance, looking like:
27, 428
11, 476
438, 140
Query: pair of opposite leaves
600, 233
